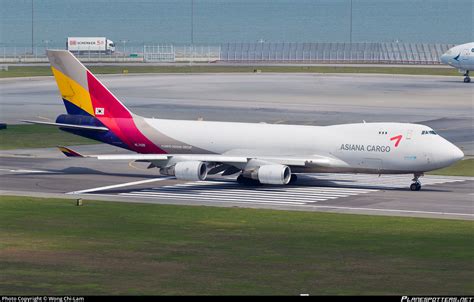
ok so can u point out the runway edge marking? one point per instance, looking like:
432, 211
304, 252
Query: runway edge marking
362, 209
394, 210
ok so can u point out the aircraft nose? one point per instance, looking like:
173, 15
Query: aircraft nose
449, 154
444, 58
457, 154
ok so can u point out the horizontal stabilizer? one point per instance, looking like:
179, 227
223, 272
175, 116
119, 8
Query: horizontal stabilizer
68, 152
69, 126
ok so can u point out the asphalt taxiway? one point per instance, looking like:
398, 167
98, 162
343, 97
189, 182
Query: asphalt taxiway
444, 103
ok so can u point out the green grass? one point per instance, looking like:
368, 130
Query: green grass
51, 246
37, 136
461, 168
30, 71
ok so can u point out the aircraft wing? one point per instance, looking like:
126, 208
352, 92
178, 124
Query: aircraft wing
217, 158
161, 160
177, 157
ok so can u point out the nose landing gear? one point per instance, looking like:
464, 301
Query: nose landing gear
467, 79
416, 185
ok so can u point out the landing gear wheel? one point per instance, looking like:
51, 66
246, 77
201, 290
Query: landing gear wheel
247, 181
415, 187
467, 79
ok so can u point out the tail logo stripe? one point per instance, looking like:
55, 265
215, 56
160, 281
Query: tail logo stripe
115, 116
84, 94
73, 92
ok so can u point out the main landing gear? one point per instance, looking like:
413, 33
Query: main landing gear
247, 181
416, 185
467, 79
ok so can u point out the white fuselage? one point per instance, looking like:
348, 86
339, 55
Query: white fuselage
460, 57
365, 147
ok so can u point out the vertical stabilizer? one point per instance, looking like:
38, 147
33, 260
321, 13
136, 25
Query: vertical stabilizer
82, 92
84, 95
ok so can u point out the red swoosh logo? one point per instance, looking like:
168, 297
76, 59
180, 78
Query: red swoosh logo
398, 138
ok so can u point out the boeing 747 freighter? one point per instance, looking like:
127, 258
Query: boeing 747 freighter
257, 153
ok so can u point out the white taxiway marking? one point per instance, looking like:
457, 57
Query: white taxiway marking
225, 191
343, 185
127, 184
26, 171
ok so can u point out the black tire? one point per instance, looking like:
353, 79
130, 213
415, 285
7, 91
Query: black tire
467, 80
247, 181
418, 187
414, 187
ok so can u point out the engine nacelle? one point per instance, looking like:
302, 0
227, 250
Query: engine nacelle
187, 170
273, 174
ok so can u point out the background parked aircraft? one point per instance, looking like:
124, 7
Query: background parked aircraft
462, 58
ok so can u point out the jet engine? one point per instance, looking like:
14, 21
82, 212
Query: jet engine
271, 174
187, 170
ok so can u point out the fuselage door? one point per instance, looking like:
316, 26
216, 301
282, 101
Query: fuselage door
409, 134
428, 157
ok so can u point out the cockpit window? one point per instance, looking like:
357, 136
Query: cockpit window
426, 132
472, 49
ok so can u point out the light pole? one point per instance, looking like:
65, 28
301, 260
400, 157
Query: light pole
192, 32
192, 22
350, 29
32, 28
124, 41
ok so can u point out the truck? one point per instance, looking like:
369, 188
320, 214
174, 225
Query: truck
83, 45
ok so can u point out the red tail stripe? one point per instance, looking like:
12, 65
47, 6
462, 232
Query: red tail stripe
118, 119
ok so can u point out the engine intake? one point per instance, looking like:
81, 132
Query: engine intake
187, 170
